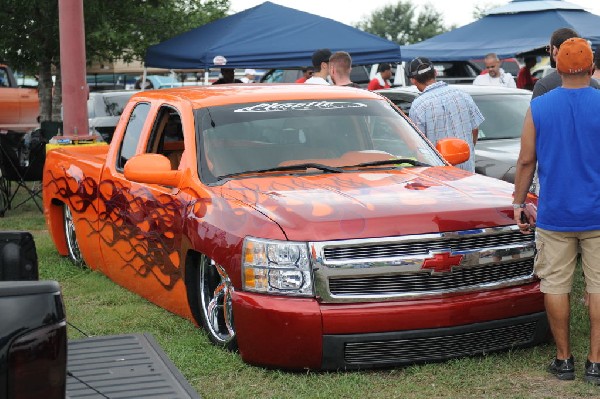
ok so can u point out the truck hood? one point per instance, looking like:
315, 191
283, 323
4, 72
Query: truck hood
376, 203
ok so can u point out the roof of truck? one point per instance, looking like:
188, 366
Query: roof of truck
202, 96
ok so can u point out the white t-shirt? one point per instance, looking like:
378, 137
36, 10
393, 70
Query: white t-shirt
504, 79
316, 80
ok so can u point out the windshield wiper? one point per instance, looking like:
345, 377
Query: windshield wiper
303, 166
396, 161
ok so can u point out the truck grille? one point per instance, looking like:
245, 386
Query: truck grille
426, 282
422, 247
413, 350
418, 266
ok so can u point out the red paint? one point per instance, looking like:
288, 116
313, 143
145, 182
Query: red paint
286, 332
446, 311
278, 331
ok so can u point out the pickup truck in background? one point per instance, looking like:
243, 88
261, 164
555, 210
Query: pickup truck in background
34, 345
307, 226
33, 340
33, 328
34, 351
19, 107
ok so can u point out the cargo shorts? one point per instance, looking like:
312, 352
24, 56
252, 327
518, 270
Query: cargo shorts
556, 258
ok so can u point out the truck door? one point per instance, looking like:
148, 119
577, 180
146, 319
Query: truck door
142, 224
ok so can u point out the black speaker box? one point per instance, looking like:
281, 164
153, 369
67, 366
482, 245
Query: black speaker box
18, 257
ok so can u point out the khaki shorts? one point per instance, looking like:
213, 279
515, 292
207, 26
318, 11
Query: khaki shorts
556, 259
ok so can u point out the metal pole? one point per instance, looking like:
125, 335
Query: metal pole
73, 68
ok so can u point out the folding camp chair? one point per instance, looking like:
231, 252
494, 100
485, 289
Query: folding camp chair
22, 158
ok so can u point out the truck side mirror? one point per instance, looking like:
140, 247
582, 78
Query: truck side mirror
453, 150
152, 169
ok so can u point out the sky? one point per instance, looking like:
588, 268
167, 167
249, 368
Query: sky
455, 12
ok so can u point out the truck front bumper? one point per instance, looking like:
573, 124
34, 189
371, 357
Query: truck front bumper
301, 333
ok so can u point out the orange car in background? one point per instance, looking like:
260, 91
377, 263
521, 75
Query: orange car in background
19, 107
307, 226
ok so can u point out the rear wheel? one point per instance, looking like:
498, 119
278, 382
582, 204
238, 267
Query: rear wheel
209, 291
71, 237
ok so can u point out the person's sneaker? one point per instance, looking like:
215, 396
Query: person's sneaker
592, 372
564, 369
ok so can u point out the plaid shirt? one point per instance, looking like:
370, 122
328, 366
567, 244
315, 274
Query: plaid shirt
442, 111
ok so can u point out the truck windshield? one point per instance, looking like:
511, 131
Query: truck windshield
235, 139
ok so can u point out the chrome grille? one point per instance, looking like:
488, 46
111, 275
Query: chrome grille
418, 266
439, 347
423, 247
399, 284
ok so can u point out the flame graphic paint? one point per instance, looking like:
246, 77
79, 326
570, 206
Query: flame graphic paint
139, 227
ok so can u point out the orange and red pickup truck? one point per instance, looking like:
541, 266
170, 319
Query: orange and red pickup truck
306, 226
19, 107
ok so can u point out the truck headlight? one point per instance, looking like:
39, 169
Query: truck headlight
276, 267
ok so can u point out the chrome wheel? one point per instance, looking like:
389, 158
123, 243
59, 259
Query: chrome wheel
72, 246
215, 302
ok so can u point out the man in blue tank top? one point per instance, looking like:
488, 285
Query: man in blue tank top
561, 132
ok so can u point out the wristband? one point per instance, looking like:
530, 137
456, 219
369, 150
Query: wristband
517, 206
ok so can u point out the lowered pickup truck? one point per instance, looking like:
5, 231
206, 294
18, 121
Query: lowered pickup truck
307, 226
19, 107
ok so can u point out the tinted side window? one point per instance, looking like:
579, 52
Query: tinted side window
132, 134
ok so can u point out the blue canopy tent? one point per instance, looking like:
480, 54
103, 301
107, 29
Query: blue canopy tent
268, 36
521, 27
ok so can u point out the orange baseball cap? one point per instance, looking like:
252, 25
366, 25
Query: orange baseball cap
574, 56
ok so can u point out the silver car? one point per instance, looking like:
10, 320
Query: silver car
499, 140
105, 109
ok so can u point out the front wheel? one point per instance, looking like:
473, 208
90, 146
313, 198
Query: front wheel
210, 296
71, 238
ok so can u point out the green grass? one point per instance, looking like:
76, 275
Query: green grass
97, 306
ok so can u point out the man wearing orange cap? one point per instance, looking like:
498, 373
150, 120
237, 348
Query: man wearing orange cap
560, 132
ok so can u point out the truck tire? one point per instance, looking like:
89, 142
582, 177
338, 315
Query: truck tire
209, 294
71, 237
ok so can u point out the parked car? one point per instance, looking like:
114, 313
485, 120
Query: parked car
110, 81
105, 109
19, 107
542, 71
510, 65
457, 72
359, 75
448, 71
309, 227
499, 139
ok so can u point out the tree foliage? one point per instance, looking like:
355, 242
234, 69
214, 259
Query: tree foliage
114, 29
402, 23
480, 10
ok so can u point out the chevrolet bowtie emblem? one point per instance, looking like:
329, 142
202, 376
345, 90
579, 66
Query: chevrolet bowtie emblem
442, 263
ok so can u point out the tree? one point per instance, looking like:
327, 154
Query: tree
480, 10
402, 24
114, 29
